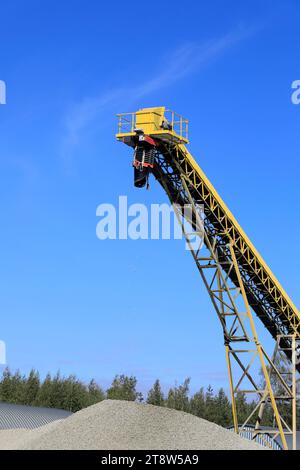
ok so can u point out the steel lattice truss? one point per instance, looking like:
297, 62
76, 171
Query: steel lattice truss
236, 277
268, 302
230, 287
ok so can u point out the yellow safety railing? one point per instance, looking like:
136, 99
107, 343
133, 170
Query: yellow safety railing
179, 125
126, 123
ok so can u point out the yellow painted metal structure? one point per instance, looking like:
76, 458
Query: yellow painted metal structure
151, 120
239, 280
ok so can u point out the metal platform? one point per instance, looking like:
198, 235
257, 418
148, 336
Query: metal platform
161, 123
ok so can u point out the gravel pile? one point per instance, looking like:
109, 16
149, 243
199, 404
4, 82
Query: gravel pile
125, 425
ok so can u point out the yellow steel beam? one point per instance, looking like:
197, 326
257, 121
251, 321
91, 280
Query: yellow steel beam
150, 120
241, 240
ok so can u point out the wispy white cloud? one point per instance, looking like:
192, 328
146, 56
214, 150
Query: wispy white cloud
180, 63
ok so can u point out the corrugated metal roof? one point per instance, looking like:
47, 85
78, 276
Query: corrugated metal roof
28, 417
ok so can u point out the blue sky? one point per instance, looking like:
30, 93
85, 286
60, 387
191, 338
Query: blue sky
97, 308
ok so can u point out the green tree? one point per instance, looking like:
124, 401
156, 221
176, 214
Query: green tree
178, 397
242, 406
95, 393
6, 385
17, 388
124, 388
12, 387
222, 409
57, 392
75, 395
197, 404
31, 388
155, 395
210, 409
171, 399
44, 394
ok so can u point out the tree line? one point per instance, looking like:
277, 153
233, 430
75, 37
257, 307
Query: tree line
71, 394
67, 393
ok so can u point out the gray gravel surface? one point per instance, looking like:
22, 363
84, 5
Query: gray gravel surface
114, 424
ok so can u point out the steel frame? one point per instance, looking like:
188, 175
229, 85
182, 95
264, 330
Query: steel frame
265, 295
223, 279
235, 275
287, 393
